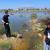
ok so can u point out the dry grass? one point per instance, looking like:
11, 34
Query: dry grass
30, 41
16, 43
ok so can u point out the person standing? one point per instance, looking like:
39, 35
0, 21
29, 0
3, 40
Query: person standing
46, 38
5, 21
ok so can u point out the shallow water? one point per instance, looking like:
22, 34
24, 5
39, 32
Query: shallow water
17, 20
20, 18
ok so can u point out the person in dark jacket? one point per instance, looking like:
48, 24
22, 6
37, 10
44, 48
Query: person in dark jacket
6, 24
47, 37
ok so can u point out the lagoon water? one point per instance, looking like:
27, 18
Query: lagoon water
17, 20
20, 18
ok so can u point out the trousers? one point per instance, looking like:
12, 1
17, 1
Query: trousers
46, 47
7, 30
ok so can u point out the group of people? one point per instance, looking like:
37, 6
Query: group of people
46, 38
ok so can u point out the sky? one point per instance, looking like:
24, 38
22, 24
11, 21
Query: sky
14, 4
